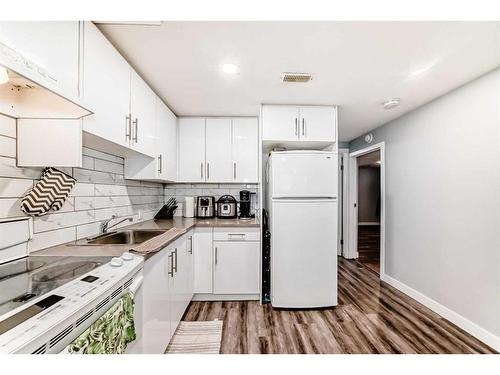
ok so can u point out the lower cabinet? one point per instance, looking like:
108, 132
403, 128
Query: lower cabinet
236, 267
202, 247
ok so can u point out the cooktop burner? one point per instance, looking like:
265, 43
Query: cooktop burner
23, 279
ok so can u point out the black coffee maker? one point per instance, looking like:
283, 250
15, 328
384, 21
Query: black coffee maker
246, 205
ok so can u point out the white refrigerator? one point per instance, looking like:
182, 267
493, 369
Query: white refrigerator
302, 202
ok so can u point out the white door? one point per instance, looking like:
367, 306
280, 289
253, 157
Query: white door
156, 305
191, 149
106, 88
218, 150
304, 253
176, 287
166, 142
245, 149
303, 174
142, 109
317, 123
54, 46
190, 262
202, 248
236, 267
280, 123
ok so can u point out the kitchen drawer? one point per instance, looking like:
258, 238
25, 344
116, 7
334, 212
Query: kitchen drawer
236, 234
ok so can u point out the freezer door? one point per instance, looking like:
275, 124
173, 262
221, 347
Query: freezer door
304, 253
304, 174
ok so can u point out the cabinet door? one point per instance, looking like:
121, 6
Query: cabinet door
106, 88
317, 123
280, 123
166, 142
142, 109
156, 304
218, 150
245, 150
236, 267
191, 149
53, 46
202, 249
179, 282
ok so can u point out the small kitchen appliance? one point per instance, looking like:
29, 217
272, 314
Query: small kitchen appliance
205, 207
226, 207
246, 205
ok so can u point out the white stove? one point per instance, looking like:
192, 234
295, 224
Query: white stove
51, 321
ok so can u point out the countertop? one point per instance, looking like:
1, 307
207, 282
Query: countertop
180, 224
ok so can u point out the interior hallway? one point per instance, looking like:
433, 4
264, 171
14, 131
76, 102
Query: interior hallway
372, 317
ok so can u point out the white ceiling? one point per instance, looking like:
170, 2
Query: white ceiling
356, 65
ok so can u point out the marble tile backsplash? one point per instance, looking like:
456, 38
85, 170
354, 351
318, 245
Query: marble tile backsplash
101, 191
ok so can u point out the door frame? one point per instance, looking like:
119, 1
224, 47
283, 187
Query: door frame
352, 221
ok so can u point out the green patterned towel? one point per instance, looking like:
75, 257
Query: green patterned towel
109, 334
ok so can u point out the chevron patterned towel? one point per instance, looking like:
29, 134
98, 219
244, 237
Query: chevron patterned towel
49, 193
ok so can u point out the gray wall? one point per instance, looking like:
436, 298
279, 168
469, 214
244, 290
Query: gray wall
442, 200
368, 194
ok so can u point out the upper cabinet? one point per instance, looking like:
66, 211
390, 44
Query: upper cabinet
218, 150
106, 88
306, 124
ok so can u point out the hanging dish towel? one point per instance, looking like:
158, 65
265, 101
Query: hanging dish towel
109, 334
49, 193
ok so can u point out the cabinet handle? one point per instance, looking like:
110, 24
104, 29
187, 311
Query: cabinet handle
170, 265
208, 171
128, 126
136, 125
160, 163
242, 235
216, 257
234, 170
201, 171
296, 126
174, 267
190, 238
303, 126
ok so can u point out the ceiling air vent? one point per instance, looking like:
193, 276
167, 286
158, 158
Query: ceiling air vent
296, 77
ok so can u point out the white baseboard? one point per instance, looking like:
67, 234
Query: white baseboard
457, 319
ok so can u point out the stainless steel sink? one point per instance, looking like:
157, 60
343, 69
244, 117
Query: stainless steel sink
129, 237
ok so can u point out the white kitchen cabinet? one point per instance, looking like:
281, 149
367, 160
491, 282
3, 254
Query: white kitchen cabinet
317, 123
106, 88
218, 150
245, 149
143, 114
52, 46
191, 149
202, 249
307, 124
156, 307
236, 267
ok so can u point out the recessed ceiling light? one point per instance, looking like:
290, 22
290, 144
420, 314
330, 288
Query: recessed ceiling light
392, 103
230, 68
4, 76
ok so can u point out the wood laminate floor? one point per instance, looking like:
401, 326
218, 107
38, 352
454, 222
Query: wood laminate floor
371, 317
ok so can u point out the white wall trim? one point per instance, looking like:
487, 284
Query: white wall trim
457, 319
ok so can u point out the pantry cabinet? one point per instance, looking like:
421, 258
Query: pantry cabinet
218, 150
289, 123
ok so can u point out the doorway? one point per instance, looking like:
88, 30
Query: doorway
366, 207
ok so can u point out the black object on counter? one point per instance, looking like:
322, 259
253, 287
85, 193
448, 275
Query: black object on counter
266, 258
227, 207
167, 211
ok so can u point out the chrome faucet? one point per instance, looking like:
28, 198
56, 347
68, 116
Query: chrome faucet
104, 227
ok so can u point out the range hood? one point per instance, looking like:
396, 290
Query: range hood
31, 92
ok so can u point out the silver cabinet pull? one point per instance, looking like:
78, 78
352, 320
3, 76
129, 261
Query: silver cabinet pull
160, 163
190, 238
234, 170
170, 265
136, 126
296, 126
201, 171
303, 126
174, 267
242, 235
216, 257
208, 171
128, 126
